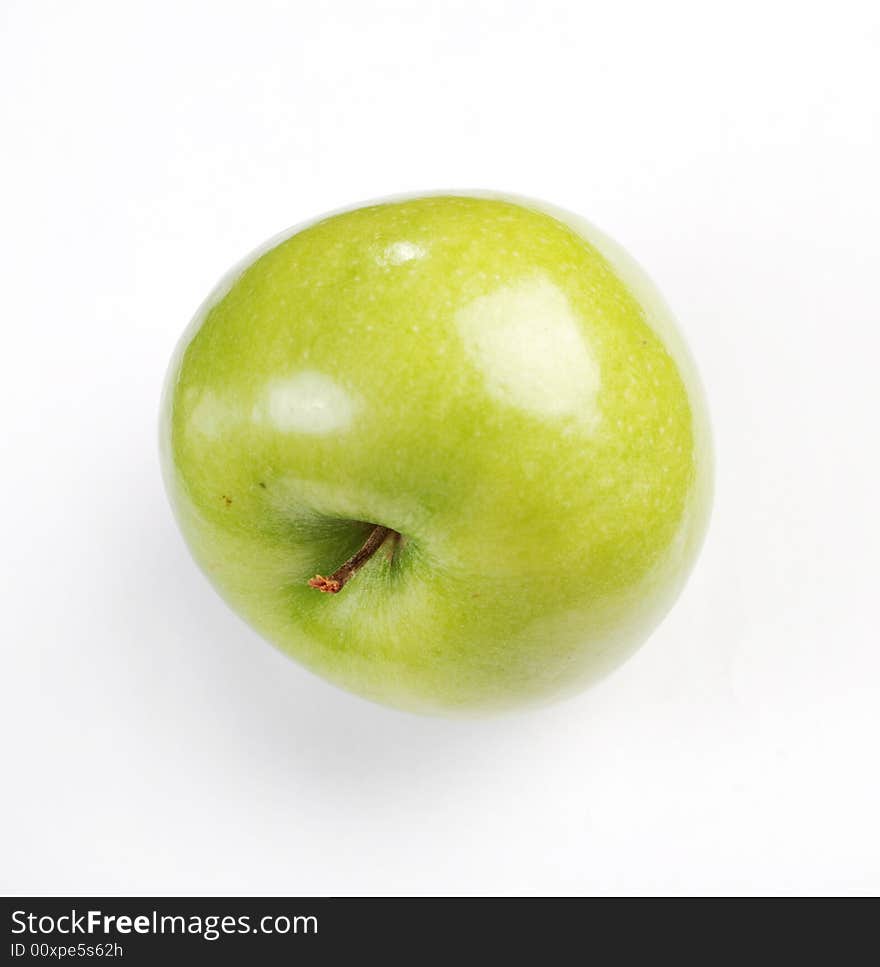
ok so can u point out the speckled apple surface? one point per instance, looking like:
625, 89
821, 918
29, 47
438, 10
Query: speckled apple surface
493, 379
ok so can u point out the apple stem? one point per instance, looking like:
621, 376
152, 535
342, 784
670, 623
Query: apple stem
343, 574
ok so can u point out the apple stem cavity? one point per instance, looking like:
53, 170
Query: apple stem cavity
343, 574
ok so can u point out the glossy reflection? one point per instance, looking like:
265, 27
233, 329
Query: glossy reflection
307, 402
212, 416
525, 340
399, 252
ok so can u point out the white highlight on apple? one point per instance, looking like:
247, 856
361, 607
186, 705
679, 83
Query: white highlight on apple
307, 402
526, 341
399, 252
210, 417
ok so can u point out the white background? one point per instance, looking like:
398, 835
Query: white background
155, 745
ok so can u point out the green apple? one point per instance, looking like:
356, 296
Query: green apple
471, 419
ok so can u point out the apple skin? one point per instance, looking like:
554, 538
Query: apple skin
489, 376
